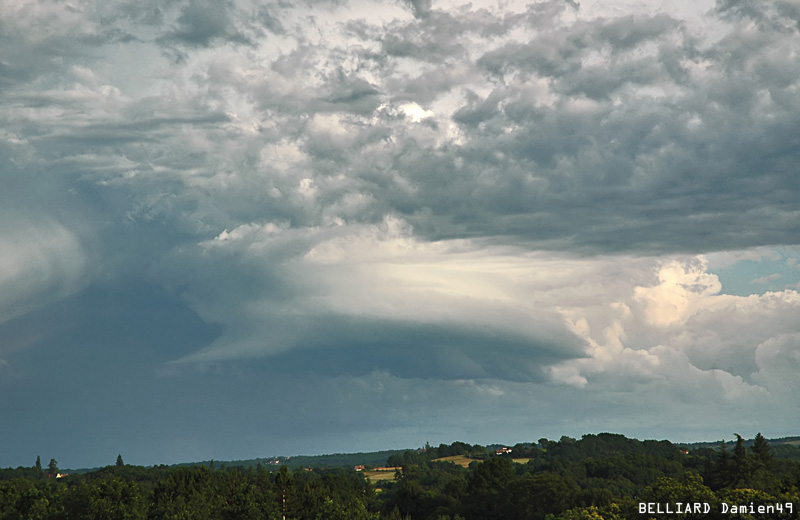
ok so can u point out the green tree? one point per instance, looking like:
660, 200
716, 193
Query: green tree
741, 499
762, 452
397, 515
489, 491
109, 498
239, 499
285, 487
544, 494
9, 497
38, 464
34, 502
395, 461
52, 468
741, 464
119, 461
332, 510
763, 467
723, 474
610, 512
689, 488
185, 494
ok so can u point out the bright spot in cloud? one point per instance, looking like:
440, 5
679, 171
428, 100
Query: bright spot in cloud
415, 112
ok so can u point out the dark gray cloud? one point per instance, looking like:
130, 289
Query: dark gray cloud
421, 8
269, 19
420, 212
633, 160
202, 22
344, 345
346, 93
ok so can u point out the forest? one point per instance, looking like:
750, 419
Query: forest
604, 476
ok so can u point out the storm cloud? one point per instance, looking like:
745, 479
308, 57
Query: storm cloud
395, 222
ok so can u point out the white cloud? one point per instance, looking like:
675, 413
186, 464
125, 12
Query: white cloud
680, 291
778, 361
415, 112
654, 328
679, 332
40, 261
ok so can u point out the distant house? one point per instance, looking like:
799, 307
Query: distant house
503, 451
685, 452
360, 467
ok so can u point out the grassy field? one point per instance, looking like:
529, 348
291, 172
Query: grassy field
376, 476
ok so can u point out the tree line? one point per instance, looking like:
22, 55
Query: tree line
604, 476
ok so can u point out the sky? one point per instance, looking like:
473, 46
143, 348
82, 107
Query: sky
241, 228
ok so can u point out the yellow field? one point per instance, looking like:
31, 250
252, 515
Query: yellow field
378, 475
458, 460
461, 460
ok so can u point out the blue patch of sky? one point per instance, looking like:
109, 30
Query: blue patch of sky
757, 272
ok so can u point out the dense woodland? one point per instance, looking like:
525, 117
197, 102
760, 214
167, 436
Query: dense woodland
603, 476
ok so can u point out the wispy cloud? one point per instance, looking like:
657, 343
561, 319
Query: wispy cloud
766, 279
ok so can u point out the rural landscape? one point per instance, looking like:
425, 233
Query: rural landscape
598, 477
399, 259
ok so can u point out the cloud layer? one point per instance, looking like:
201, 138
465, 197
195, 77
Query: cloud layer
444, 217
